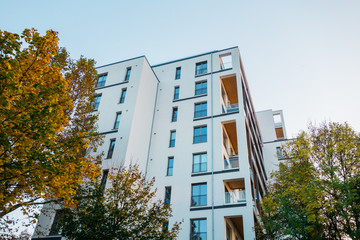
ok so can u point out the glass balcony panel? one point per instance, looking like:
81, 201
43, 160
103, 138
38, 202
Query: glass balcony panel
235, 197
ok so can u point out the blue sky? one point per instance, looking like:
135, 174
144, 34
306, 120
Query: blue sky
302, 56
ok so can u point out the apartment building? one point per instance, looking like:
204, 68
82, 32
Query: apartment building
191, 124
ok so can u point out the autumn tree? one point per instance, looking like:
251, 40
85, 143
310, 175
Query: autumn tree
126, 209
47, 130
316, 192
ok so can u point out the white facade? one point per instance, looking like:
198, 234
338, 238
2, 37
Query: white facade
219, 162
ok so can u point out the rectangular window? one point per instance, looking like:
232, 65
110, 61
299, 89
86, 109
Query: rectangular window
165, 226
167, 195
174, 114
172, 139
279, 133
278, 152
198, 194
101, 80
96, 102
200, 110
178, 73
200, 134
170, 166
127, 76
123, 94
176, 92
198, 229
55, 228
201, 68
104, 178
201, 88
117, 120
111, 148
199, 162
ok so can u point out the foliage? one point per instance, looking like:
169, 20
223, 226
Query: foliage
46, 126
316, 193
125, 210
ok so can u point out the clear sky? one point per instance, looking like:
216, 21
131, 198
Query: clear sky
302, 56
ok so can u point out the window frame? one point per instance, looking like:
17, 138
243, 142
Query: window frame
200, 113
95, 104
117, 120
201, 163
103, 76
172, 140
198, 235
201, 69
127, 74
123, 95
111, 148
170, 169
176, 93
200, 136
200, 91
174, 115
167, 198
199, 197
104, 178
177, 73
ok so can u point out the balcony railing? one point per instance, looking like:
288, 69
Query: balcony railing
230, 108
232, 162
235, 197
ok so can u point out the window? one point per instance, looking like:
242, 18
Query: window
117, 120
104, 178
123, 94
165, 226
200, 134
201, 68
279, 133
55, 228
167, 195
278, 152
178, 73
198, 229
170, 167
101, 80
127, 76
225, 61
201, 88
176, 92
172, 139
96, 102
199, 162
111, 148
198, 194
174, 114
200, 110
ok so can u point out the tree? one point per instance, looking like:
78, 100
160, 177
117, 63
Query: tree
125, 210
47, 130
316, 193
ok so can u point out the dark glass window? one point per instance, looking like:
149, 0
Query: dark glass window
55, 227
201, 68
104, 178
200, 162
201, 88
117, 120
200, 110
123, 94
176, 93
170, 166
127, 76
200, 134
198, 229
101, 80
111, 148
165, 226
172, 139
96, 102
198, 194
167, 195
174, 114
178, 73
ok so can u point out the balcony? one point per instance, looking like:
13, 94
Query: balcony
234, 191
230, 145
229, 96
231, 162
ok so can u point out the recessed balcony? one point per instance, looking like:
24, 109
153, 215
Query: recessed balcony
234, 191
230, 145
229, 97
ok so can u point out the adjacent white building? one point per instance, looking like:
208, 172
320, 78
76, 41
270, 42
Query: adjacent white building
191, 124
